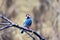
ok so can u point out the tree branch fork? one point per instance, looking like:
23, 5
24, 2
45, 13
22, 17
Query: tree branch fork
11, 24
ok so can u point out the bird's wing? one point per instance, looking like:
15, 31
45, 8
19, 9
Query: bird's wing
27, 22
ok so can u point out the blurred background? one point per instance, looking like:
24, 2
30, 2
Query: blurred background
44, 13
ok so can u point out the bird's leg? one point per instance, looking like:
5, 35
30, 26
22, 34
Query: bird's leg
29, 28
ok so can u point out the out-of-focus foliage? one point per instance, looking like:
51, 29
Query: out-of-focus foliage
44, 22
21, 7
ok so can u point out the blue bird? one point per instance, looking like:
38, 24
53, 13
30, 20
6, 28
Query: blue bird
27, 22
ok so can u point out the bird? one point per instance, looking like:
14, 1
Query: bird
27, 22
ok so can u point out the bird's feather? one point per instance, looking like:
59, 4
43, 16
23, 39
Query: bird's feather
27, 22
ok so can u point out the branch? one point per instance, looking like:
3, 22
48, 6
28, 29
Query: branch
4, 23
5, 19
5, 27
19, 27
30, 35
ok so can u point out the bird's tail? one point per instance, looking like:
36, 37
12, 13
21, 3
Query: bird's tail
22, 31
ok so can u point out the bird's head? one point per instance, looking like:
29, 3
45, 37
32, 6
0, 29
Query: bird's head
27, 16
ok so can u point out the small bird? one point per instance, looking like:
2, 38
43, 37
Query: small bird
27, 22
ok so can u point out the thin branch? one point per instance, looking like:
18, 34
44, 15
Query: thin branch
19, 27
5, 27
5, 19
30, 35
4, 23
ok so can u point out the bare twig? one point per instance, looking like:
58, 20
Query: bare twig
5, 27
30, 36
4, 23
19, 27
